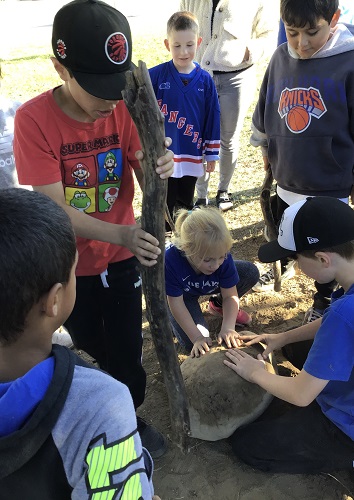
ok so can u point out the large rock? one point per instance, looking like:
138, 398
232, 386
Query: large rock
220, 401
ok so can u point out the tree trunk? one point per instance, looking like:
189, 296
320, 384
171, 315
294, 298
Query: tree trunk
269, 222
140, 100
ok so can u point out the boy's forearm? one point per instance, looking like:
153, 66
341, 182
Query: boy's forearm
84, 225
300, 390
304, 332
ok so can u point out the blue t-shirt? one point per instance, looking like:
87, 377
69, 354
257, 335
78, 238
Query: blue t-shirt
181, 279
332, 358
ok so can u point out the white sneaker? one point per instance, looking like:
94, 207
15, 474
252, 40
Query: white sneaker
62, 337
266, 281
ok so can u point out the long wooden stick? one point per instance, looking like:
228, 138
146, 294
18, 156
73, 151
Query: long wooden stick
140, 100
270, 223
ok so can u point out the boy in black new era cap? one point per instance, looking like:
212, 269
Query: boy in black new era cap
318, 436
77, 144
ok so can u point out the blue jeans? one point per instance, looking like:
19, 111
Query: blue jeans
248, 274
235, 91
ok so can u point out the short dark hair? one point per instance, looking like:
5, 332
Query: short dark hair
298, 13
37, 250
181, 21
345, 250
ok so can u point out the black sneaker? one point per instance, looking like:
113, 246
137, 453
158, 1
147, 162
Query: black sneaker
201, 202
223, 201
312, 314
151, 438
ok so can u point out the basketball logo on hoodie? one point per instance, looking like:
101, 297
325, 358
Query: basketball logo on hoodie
117, 48
298, 106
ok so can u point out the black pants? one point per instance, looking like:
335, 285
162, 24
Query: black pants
291, 439
106, 323
322, 297
180, 194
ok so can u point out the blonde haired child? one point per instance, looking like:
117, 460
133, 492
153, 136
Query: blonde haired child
198, 262
187, 97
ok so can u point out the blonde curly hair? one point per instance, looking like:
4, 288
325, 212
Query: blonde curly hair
202, 232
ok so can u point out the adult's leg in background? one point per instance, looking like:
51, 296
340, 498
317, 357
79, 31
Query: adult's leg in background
202, 185
236, 91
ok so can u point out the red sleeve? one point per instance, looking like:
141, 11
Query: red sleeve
36, 162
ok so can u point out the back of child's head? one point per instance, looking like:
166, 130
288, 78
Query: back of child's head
182, 21
37, 250
202, 232
93, 41
298, 13
318, 224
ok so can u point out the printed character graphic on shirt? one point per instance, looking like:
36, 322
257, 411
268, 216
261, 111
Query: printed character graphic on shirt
80, 201
110, 195
80, 174
110, 172
110, 164
99, 175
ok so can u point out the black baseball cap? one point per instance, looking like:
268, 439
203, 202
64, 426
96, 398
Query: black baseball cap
312, 224
93, 40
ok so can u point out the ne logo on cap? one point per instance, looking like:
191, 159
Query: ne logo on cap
312, 240
116, 48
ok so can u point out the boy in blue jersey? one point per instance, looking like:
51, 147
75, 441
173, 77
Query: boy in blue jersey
304, 119
317, 434
187, 97
67, 430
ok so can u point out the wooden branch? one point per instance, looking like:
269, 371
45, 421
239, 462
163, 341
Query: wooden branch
140, 100
270, 223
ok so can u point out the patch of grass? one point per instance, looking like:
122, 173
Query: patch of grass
29, 74
26, 77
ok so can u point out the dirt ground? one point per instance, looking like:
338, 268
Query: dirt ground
209, 471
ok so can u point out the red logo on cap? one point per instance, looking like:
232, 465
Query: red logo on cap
61, 49
117, 48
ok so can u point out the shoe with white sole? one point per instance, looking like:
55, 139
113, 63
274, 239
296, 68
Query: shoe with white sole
312, 314
266, 281
223, 201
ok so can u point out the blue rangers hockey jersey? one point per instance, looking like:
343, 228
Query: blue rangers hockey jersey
192, 116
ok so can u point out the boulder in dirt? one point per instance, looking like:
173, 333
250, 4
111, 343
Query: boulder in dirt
220, 401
